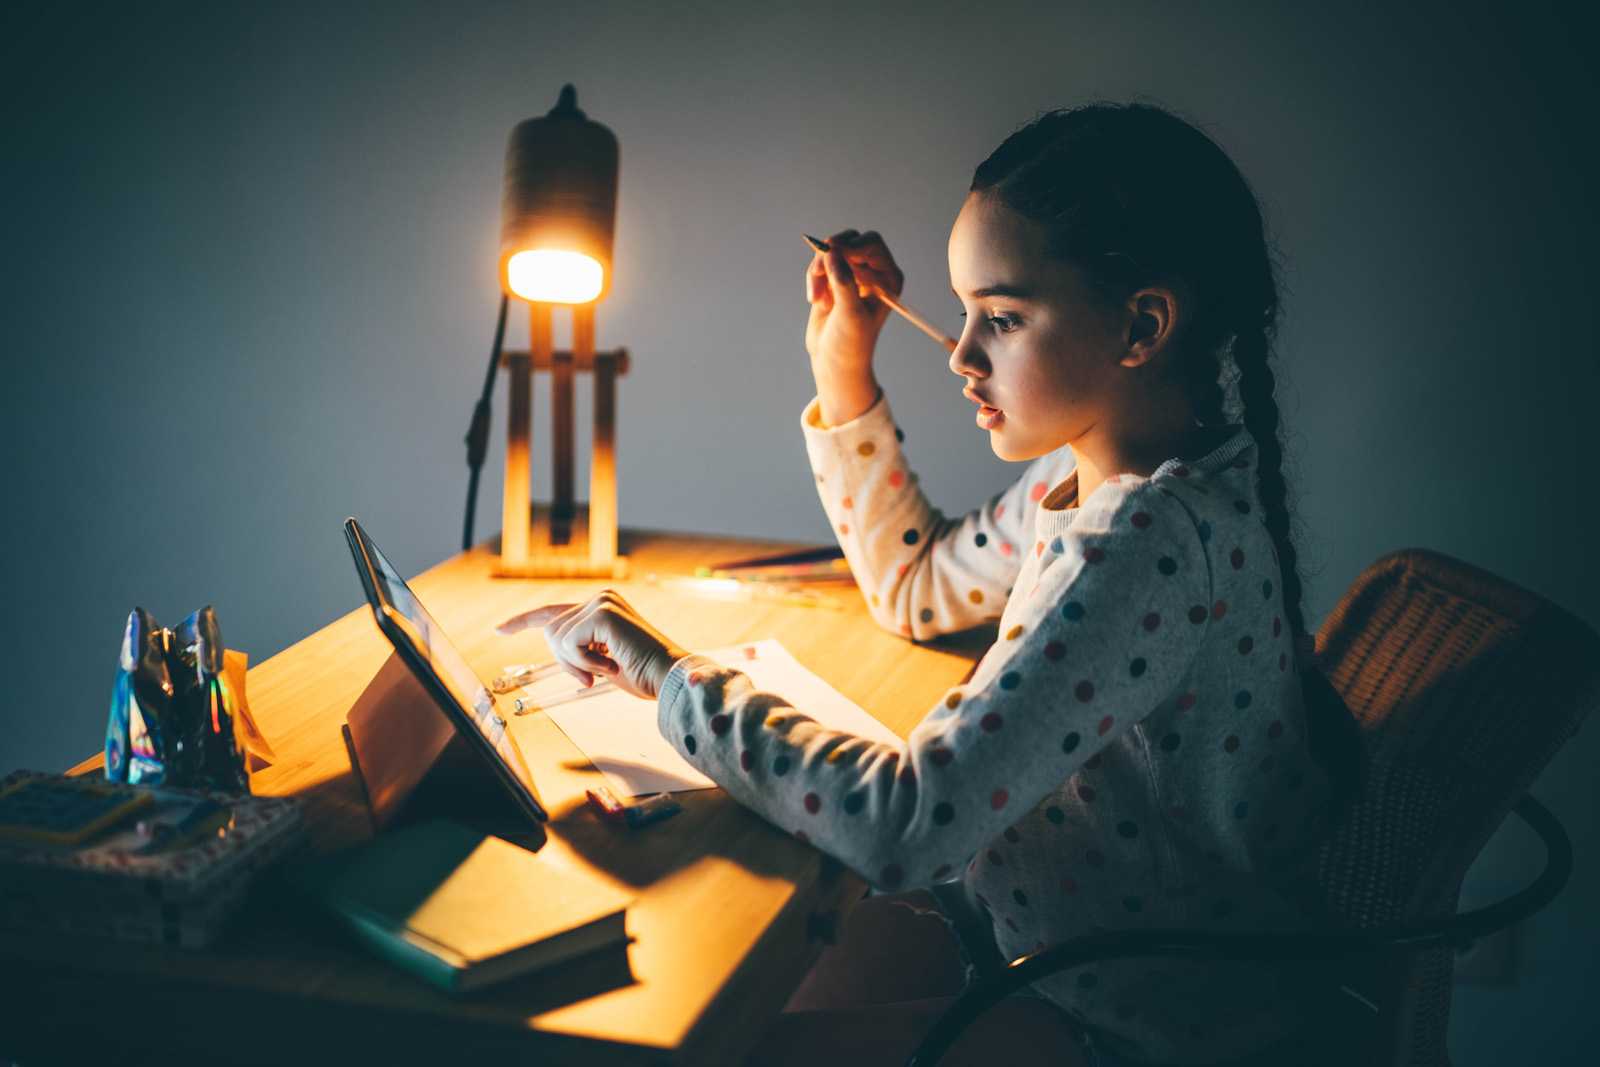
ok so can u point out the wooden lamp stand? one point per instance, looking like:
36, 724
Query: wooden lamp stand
564, 538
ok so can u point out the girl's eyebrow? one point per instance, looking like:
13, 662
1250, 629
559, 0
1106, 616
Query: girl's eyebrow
1016, 292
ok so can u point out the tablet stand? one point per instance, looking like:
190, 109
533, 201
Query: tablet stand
408, 757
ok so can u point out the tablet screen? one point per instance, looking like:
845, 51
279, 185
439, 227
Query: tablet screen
449, 666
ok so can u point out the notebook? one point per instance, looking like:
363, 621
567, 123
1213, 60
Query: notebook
461, 909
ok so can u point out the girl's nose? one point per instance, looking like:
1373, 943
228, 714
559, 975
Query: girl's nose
967, 359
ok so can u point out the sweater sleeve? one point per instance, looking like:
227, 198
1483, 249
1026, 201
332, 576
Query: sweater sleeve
1106, 637
921, 573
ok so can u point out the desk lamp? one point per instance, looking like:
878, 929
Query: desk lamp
558, 216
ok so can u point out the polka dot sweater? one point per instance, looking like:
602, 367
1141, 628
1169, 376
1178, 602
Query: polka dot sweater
1131, 751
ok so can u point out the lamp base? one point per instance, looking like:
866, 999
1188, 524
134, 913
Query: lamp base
559, 548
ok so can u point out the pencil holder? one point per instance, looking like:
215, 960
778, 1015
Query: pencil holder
178, 715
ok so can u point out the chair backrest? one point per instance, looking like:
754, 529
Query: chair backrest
1464, 686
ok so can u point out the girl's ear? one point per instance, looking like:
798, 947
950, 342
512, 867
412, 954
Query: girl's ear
1152, 322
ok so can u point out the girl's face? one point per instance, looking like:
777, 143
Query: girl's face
1036, 344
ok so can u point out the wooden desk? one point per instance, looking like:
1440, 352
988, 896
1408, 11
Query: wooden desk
723, 921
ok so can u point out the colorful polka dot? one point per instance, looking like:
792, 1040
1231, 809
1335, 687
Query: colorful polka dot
1105, 725
1084, 691
1006, 548
941, 756
909, 537
1236, 557
1167, 566
780, 766
926, 614
1277, 625
943, 813
897, 478
991, 722
1072, 611
1055, 815
1038, 491
813, 803
1241, 699
1012, 835
747, 761
1231, 744
1137, 667
1140, 519
1056, 546
952, 701
844, 528
1151, 622
1266, 589
998, 798
1070, 742
899, 434
1197, 614
690, 743
1093, 554
1219, 609
866, 448
1186, 701
846, 503
1171, 742
976, 596
1013, 633
720, 723
1010, 680
1204, 529
854, 802
802, 836
1020, 897
1246, 643
1086, 793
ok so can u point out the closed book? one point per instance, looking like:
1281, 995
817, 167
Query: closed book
462, 909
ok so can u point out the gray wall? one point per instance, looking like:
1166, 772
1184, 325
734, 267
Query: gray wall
251, 287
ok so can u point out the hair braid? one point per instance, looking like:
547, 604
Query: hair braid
1252, 355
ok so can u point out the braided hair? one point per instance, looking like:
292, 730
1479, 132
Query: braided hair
1132, 194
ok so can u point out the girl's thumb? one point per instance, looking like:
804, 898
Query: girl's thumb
842, 280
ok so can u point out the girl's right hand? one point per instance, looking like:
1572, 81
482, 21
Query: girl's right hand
846, 317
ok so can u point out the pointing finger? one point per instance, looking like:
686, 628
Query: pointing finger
539, 616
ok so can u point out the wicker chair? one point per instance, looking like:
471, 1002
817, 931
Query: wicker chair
1464, 686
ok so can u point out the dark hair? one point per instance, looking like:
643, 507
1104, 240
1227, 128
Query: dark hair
1132, 195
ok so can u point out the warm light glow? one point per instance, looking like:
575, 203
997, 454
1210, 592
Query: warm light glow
554, 277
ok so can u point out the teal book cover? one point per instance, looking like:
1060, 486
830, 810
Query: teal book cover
462, 909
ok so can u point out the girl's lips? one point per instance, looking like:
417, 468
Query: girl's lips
989, 418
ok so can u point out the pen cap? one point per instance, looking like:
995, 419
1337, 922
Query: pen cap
559, 207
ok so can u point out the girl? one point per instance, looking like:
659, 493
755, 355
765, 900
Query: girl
1133, 750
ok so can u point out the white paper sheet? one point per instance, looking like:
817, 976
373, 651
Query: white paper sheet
617, 731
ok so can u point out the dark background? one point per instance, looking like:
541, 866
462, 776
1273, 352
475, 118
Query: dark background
250, 256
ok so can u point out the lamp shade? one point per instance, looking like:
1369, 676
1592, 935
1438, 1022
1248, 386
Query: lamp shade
559, 209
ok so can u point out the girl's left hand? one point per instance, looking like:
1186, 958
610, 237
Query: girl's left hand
604, 637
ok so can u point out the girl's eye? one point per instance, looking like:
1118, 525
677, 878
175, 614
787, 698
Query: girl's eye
1003, 323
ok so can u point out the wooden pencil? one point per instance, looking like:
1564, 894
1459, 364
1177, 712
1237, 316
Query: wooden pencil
912, 317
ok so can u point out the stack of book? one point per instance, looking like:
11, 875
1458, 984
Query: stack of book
137, 863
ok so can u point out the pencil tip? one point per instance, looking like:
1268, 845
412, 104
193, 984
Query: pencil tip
815, 242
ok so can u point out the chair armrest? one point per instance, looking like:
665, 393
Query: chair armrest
1456, 930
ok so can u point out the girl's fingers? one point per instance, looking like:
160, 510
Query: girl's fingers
540, 616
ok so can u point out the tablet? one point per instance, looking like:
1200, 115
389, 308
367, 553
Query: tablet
442, 670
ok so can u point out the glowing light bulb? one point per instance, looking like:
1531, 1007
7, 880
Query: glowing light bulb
554, 276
